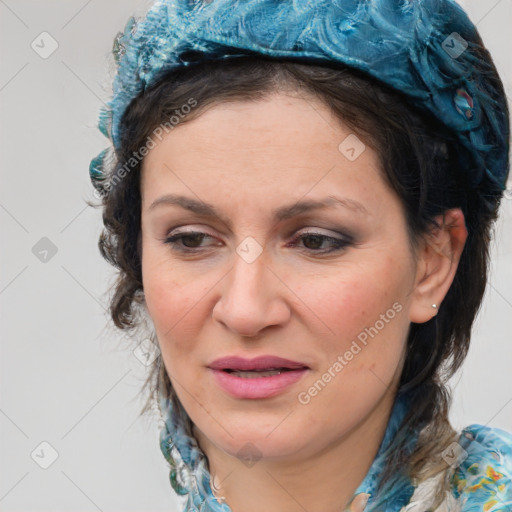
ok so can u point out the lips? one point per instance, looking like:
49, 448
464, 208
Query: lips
262, 363
260, 378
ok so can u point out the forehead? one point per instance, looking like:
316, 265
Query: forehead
281, 146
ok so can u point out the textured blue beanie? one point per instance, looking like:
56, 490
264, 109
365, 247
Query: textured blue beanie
428, 50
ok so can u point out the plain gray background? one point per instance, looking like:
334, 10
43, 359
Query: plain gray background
67, 380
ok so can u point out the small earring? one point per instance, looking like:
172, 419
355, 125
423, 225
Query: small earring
434, 306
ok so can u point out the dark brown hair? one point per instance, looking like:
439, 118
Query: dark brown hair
418, 158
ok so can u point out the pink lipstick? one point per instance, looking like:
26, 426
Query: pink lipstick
262, 377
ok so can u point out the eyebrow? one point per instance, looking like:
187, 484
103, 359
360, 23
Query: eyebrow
278, 214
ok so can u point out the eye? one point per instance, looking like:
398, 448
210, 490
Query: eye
313, 242
190, 242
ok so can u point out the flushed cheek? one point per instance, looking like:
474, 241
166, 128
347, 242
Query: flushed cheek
170, 300
347, 305
361, 334
179, 311
177, 326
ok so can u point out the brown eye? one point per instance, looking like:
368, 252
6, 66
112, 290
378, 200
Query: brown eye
314, 241
186, 242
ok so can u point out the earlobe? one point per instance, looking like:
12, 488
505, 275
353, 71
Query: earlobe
438, 259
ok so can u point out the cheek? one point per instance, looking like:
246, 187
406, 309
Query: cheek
168, 294
176, 303
353, 297
170, 306
160, 293
167, 299
363, 313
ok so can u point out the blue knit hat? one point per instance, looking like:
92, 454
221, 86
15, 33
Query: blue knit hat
428, 50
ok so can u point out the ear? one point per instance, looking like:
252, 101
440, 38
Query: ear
437, 262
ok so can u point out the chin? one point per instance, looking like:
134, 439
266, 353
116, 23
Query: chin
250, 449
251, 440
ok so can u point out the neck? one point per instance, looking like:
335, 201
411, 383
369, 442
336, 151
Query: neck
324, 481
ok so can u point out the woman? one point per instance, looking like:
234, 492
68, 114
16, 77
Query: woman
299, 200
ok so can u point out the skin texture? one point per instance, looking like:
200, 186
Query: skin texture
247, 158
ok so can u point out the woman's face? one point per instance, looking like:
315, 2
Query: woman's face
268, 274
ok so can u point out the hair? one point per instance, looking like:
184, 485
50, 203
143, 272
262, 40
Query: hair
419, 162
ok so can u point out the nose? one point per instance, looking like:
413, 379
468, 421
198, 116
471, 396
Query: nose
252, 298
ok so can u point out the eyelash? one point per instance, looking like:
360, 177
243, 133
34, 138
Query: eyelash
339, 243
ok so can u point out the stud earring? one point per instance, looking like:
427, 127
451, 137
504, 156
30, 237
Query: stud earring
434, 306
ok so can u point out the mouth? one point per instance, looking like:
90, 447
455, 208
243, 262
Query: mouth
266, 363
262, 377
255, 374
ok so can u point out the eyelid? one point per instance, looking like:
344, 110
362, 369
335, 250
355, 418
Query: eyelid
293, 233
189, 228
320, 231
341, 233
